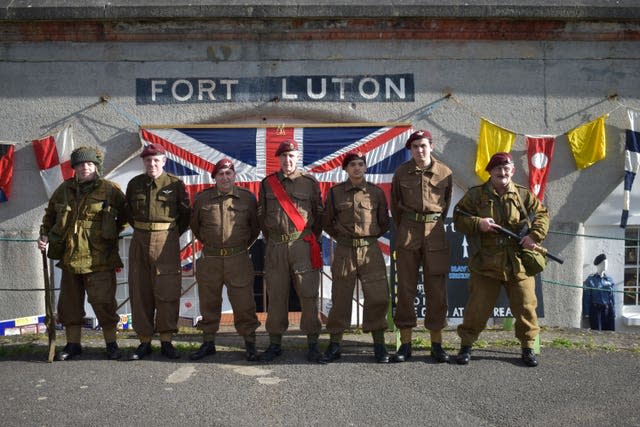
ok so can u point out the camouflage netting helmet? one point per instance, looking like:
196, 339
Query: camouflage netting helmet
87, 154
533, 262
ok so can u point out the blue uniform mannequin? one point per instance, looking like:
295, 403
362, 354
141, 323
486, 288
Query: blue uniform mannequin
597, 297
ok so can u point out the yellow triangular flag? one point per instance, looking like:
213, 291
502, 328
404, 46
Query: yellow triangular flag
588, 142
493, 139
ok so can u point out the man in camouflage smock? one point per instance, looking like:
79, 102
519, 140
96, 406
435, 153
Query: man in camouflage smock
225, 221
495, 259
355, 216
292, 253
420, 197
81, 223
159, 213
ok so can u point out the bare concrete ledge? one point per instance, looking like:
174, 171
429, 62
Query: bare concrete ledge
57, 10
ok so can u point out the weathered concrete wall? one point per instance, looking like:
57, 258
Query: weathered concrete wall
522, 72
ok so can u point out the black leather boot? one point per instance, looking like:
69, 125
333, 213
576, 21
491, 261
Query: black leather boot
250, 353
529, 358
332, 353
206, 349
143, 350
113, 351
168, 350
71, 350
464, 355
380, 353
403, 353
313, 354
273, 351
438, 353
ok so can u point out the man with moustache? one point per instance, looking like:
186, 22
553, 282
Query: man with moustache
225, 221
495, 260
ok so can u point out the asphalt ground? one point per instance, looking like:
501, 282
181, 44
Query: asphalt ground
584, 378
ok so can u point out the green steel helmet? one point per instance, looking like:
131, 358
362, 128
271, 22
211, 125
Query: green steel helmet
87, 154
533, 262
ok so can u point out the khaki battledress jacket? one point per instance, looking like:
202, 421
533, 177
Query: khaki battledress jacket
88, 216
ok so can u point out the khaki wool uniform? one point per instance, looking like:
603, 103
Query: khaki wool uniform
287, 254
90, 216
355, 216
494, 259
227, 225
159, 214
420, 199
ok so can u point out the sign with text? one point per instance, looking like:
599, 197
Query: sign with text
322, 88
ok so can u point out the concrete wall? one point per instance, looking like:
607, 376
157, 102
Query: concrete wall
523, 68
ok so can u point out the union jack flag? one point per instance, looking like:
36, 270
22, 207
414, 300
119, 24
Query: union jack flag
193, 151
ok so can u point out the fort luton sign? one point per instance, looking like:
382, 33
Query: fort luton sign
365, 88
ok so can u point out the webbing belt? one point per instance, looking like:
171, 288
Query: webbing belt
223, 251
152, 226
357, 243
422, 217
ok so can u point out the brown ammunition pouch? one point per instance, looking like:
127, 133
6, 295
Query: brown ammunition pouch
532, 261
109, 213
57, 234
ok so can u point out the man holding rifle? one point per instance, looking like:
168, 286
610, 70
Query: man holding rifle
495, 259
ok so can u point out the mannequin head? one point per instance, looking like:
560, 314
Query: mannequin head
601, 263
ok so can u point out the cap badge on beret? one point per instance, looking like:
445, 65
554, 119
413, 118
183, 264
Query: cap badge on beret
419, 134
222, 164
352, 155
499, 159
286, 146
153, 149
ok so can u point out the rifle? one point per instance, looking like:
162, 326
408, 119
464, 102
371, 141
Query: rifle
49, 320
517, 237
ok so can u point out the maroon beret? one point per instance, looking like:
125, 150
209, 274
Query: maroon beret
153, 150
499, 159
286, 146
222, 164
419, 134
353, 155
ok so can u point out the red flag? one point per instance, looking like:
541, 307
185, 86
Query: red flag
6, 170
53, 154
539, 155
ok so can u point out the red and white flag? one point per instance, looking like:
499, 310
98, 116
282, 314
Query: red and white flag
53, 154
539, 155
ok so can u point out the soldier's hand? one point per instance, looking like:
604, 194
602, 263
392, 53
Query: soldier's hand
42, 242
487, 225
528, 243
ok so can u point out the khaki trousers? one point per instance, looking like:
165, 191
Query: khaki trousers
237, 273
483, 293
155, 281
100, 289
367, 264
286, 263
435, 289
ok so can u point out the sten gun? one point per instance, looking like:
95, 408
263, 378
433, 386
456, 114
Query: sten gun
517, 237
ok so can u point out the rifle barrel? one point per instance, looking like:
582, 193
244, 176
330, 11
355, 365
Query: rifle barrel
513, 235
